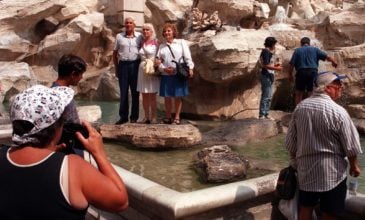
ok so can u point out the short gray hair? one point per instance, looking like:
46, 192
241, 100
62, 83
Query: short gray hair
131, 19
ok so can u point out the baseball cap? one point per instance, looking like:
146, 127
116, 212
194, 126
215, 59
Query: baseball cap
325, 78
41, 106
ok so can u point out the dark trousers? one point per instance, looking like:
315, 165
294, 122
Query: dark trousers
128, 75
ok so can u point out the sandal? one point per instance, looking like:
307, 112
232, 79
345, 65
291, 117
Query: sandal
167, 120
176, 121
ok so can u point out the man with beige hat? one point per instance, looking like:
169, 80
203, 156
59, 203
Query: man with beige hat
320, 137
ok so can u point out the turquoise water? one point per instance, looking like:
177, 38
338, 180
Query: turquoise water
174, 168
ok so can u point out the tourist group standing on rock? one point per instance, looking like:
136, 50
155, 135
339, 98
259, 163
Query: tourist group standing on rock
130, 49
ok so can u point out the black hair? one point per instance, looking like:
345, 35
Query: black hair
41, 138
270, 42
305, 40
69, 64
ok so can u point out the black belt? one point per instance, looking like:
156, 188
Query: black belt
128, 61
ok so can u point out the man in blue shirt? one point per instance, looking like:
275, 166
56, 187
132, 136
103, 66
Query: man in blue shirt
305, 61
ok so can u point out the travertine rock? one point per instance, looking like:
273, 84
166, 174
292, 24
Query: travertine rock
219, 164
240, 132
153, 135
90, 113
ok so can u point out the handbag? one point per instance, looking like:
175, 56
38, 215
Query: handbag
286, 183
149, 68
182, 68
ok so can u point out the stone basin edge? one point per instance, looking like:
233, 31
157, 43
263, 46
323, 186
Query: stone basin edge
182, 204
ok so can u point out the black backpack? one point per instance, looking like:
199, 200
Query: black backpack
287, 183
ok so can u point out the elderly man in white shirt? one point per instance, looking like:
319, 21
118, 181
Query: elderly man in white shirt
126, 61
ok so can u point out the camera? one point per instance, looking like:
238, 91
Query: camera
69, 138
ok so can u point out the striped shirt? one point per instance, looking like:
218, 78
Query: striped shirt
320, 135
128, 47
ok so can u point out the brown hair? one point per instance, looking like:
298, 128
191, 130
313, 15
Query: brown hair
173, 28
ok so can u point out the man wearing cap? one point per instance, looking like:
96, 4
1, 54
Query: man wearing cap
305, 61
320, 136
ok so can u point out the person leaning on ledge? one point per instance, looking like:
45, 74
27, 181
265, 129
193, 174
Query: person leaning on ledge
40, 182
320, 136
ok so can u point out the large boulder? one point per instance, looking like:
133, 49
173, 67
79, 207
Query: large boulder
241, 132
14, 77
343, 29
99, 85
219, 164
356, 111
231, 12
153, 135
227, 80
90, 113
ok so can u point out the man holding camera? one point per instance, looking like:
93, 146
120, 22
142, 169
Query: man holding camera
70, 70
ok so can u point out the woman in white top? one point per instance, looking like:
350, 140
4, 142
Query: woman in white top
173, 88
148, 85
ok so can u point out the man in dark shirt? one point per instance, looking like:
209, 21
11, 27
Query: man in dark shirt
70, 70
305, 61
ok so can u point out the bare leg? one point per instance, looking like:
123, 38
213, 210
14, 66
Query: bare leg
305, 213
145, 103
153, 105
327, 216
168, 107
298, 97
178, 106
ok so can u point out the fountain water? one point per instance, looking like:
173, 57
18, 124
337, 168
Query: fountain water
280, 20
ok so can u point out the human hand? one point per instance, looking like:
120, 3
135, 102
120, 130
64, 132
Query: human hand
191, 73
94, 143
278, 67
157, 62
355, 171
169, 70
334, 64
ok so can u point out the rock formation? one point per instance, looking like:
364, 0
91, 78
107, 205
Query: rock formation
153, 135
219, 164
34, 34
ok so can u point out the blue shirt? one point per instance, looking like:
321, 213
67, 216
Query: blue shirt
307, 57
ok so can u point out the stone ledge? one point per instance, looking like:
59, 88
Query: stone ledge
153, 135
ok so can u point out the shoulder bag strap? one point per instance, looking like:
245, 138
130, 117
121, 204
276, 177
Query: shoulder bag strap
171, 51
